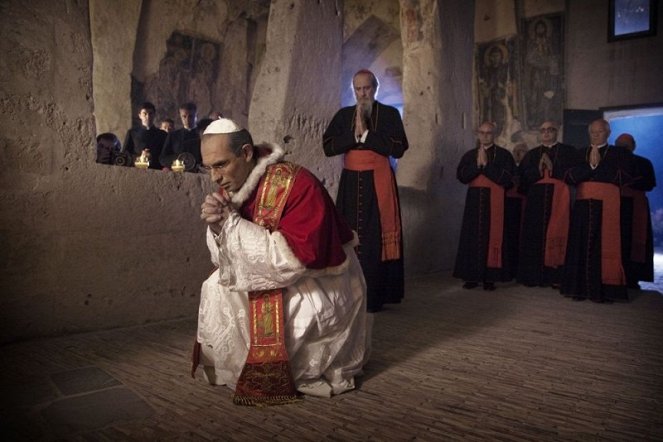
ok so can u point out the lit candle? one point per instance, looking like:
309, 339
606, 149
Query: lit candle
178, 165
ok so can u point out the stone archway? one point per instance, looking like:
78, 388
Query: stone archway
368, 46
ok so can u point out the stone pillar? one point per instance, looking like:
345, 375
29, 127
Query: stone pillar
297, 90
113, 35
437, 89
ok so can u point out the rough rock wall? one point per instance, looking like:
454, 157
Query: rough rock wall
83, 246
438, 103
296, 91
132, 57
113, 37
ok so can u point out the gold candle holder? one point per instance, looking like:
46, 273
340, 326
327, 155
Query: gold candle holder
143, 162
177, 166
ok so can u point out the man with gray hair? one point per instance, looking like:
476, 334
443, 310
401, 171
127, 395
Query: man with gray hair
284, 311
483, 247
368, 136
593, 264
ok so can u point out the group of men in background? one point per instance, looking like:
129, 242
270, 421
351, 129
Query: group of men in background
582, 225
160, 146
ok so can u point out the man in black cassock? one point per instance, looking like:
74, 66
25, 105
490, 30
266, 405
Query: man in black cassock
513, 208
146, 136
368, 135
483, 249
637, 238
547, 211
184, 143
593, 265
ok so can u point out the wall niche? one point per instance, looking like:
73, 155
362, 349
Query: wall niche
188, 71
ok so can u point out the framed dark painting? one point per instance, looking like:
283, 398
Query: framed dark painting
631, 19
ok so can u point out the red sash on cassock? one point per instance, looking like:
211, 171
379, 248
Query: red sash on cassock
639, 226
558, 225
496, 233
612, 272
385, 190
266, 378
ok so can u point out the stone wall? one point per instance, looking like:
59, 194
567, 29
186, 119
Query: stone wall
437, 87
170, 52
83, 246
604, 74
296, 91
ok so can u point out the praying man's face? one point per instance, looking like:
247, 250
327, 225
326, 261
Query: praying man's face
599, 133
364, 89
486, 134
548, 133
226, 169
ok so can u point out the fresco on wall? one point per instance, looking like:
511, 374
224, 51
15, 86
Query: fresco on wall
187, 72
497, 76
542, 77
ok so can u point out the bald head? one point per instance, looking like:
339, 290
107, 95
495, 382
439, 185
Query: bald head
626, 140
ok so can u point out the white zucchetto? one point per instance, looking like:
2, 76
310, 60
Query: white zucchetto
222, 126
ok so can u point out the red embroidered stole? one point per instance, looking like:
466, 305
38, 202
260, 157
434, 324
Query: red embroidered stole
266, 378
612, 272
385, 190
557, 231
496, 233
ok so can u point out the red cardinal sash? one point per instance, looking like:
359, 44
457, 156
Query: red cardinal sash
496, 234
266, 378
558, 224
612, 272
385, 190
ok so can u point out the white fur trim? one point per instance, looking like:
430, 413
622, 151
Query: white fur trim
277, 153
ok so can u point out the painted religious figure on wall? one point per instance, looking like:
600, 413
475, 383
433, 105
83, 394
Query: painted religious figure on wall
497, 88
542, 70
187, 72
202, 77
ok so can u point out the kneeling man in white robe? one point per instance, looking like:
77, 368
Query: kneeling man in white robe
285, 310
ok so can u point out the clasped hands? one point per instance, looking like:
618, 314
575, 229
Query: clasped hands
482, 158
545, 163
594, 157
215, 210
360, 124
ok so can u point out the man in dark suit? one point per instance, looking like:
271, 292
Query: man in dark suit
184, 143
146, 136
